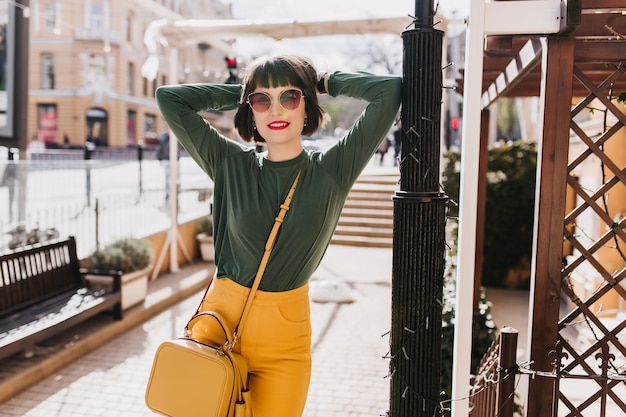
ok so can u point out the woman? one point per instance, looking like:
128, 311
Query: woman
277, 104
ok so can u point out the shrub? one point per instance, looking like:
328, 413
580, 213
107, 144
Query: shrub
508, 242
127, 255
509, 208
206, 225
483, 327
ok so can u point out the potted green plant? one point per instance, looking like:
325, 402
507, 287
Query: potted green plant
205, 239
133, 259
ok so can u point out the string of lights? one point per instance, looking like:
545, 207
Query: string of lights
392, 373
614, 228
521, 369
414, 152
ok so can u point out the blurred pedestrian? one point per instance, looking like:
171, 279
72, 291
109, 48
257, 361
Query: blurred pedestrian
87, 155
383, 148
163, 155
9, 180
397, 143
35, 144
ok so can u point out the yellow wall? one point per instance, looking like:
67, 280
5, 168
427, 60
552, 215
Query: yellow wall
611, 255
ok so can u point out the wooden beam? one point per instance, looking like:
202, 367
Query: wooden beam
603, 4
593, 57
481, 203
601, 52
517, 43
600, 25
514, 72
547, 255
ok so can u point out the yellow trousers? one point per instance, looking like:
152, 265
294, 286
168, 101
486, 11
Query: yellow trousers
276, 343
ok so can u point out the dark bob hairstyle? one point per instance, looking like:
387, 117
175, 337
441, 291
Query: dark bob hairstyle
278, 71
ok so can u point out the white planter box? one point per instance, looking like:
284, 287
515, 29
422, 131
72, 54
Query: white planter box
134, 286
207, 249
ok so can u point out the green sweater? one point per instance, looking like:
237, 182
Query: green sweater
249, 188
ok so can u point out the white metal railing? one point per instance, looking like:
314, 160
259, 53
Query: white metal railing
97, 201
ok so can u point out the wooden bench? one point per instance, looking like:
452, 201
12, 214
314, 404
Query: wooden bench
43, 292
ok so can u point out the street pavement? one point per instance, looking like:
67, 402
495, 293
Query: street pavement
103, 367
100, 368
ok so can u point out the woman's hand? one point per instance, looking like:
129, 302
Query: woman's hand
322, 83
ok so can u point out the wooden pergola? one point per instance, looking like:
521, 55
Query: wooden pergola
570, 54
578, 266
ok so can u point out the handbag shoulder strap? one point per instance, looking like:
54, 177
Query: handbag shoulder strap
266, 255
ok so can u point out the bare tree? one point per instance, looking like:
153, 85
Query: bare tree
377, 53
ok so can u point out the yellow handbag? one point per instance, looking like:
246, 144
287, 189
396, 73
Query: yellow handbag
190, 378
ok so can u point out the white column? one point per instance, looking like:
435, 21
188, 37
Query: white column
173, 192
470, 154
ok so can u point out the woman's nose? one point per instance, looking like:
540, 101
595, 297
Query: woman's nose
275, 107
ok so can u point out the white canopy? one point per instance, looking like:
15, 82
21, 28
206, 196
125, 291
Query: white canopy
217, 33
191, 31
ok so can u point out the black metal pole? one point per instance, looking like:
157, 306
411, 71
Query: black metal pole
10, 178
22, 25
424, 13
21, 81
140, 159
87, 155
419, 228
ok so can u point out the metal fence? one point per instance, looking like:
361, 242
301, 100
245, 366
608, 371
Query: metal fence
111, 196
493, 388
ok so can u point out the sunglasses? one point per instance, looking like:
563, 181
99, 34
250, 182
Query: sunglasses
288, 99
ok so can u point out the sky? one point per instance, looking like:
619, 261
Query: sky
328, 53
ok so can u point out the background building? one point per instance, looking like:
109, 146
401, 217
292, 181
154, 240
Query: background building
85, 78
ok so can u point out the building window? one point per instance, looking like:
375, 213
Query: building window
50, 17
130, 27
96, 70
149, 128
97, 126
47, 71
131, 78
131, 128
96, 21
47, 122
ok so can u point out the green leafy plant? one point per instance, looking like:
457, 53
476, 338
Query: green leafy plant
206, 225
509, 207
484, 330
508, 241
127, 255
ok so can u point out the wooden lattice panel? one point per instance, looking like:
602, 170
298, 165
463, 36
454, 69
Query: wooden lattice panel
591, 363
